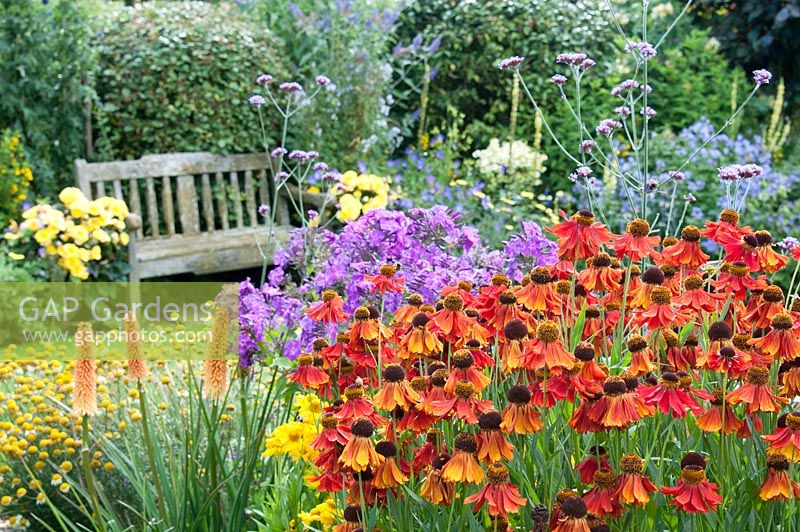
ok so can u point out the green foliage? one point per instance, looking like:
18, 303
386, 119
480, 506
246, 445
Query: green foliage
758, 34
15, 175
176, 77
477, 35
347, 122
12, 270
693, 79
44, 57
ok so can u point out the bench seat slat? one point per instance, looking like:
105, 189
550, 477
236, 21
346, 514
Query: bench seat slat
208, 252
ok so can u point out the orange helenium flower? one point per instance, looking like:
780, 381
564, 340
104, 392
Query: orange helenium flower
359, 453
500, 496
633, 486
462, 466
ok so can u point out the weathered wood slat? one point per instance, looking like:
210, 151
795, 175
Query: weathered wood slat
152, 208
237, 199
135, 203
118, 190
100, 189
170, 164
250, 197
207, 253
222, 201
166, 205
208, 202
188, 212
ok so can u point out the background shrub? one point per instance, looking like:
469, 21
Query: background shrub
176, 76
758, 34
44, 57
347, 42
477, 35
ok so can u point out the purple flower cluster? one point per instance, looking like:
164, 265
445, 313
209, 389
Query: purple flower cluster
762, 76
607, 127
510, 63
735, 172
303, 157
432, 247
527, 249
290, 86
576, 60
264, 80
257, 100
643, 50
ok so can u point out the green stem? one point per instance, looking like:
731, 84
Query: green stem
89, 476
148, 442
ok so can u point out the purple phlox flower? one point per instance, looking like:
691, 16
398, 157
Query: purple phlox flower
587, 146
586, 64
647, 88
622, 110
583, 171
607, 127
322, 81
257, 100
263, 210
676, 176
762, 76
331, 176
528, 248
510, 63
278, 152
689, 198
290, 86
320, 167
264, 80
558, 79
652, 184
282, 175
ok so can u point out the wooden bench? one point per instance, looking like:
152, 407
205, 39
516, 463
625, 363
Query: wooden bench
195, 212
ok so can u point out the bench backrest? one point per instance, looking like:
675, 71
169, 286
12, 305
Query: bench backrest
186, 193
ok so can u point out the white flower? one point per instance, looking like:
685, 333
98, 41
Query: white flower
509, 158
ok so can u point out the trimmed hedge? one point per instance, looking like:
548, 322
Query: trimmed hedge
175, 77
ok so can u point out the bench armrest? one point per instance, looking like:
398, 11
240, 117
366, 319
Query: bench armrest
133, 222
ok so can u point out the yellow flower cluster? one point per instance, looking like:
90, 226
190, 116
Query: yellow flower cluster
324, 513
39, 443
15, 174
360, 193
75, 234
294, 437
